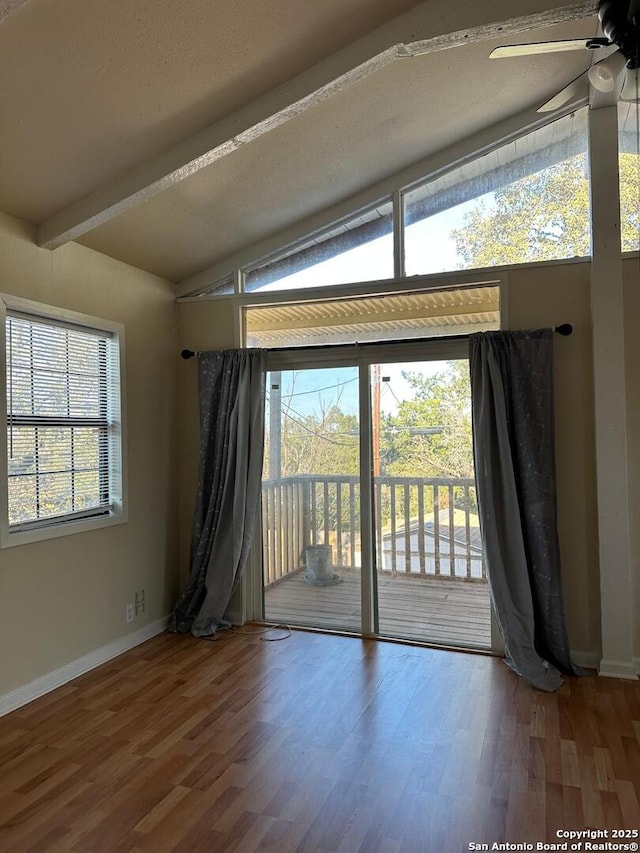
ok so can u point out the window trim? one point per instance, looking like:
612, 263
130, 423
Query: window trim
49, 528
360, 357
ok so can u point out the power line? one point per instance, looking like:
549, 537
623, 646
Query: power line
318, 390
393, 393
320, 435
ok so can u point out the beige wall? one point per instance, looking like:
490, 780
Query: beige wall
538, 296
63, 598
631, 271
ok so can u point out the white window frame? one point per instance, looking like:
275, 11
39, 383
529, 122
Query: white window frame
69, 524
498, 277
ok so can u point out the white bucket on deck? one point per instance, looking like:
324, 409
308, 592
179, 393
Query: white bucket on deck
318, 562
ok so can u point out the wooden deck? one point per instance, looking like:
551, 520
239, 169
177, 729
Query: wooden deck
434, 610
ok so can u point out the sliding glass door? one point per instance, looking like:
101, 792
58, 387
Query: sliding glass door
369, 519
431, 580
311, 499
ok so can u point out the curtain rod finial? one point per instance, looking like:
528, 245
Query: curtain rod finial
564, 329
187, 353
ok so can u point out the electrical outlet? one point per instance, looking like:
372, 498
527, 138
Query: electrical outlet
139, 601
128, 614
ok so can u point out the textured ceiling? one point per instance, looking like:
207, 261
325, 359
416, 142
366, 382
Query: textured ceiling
89, 91
374, 128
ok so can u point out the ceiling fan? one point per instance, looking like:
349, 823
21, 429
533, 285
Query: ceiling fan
617, 74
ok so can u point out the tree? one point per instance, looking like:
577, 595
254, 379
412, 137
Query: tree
429, 437
544, 216
629, 201
430, 434
324, 443
316, 437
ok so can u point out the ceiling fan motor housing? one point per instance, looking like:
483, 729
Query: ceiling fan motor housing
621, 27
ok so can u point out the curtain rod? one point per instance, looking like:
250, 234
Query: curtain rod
563, 329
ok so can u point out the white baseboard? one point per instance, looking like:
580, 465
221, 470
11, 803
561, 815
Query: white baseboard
46, 683
607, 668
619, 669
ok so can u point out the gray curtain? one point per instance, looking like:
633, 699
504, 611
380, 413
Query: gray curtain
231, 386
513, 445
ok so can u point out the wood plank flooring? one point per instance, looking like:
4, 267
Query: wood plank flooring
315, 743
433, 610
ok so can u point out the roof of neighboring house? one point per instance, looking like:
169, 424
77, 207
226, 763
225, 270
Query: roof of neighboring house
444, 528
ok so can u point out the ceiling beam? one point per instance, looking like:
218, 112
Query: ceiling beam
423, 29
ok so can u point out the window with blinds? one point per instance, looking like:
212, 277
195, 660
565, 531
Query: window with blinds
63, 422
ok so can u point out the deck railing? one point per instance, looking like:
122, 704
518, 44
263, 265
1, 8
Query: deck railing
424, 527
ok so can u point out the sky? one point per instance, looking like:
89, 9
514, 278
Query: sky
370, 262
309, 392
428, 249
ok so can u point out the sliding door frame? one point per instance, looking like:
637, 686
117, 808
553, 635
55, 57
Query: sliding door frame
362, 356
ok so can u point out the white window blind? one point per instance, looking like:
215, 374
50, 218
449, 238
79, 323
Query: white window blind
62, 407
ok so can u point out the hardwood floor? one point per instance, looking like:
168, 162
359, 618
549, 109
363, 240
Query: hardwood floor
315, 743
429, 609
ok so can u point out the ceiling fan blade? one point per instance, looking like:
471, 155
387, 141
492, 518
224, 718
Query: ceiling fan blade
576, 90
548, 47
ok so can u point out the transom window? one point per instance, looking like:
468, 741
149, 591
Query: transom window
63, 415
524, 201
357, 249
629, 172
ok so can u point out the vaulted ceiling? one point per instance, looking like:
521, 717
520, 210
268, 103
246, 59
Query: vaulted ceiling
177, 136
